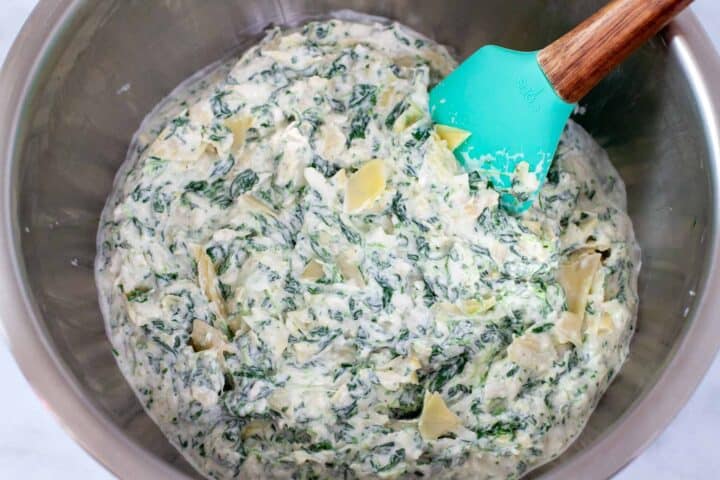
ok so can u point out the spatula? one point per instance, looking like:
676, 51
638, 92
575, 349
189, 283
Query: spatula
515, 104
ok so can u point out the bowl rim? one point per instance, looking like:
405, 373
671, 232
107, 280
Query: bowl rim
54, 384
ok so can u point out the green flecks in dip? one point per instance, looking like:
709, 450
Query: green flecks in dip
300, 282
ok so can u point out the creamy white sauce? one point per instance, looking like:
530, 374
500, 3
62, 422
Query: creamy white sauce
298, 280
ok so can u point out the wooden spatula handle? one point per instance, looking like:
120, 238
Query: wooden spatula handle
578, 60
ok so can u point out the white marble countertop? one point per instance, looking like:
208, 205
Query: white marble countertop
34, 446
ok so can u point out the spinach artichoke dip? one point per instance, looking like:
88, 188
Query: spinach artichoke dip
299, 281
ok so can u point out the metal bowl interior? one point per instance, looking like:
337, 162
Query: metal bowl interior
84, 74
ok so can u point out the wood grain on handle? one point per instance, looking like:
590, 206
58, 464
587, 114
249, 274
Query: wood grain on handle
578, 60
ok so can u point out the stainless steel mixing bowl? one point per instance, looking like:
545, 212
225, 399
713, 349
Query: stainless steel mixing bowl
83, 74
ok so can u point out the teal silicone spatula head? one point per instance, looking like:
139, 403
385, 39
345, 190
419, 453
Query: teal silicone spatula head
515, 104
514, 115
